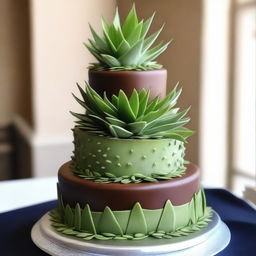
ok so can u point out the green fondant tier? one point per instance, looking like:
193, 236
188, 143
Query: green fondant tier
134, 224
102, 156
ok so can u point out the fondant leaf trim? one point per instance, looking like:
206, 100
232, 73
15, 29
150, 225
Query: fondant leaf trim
109, 224
134, 178
185, 231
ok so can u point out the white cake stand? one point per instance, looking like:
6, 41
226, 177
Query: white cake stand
206, 242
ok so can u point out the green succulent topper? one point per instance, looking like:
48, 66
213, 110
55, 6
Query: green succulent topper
126, 47
136, 117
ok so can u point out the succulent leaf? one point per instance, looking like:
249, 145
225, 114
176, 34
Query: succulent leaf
134, 117
125, 47
125, 111
134, 102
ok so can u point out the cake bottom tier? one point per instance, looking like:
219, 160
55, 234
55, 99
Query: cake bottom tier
171, 220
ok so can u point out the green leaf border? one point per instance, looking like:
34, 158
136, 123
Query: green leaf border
108, 177
65, 228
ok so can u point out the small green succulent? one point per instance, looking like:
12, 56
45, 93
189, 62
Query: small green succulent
136, 117
125, 47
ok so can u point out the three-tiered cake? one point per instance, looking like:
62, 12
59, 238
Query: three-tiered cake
128, 179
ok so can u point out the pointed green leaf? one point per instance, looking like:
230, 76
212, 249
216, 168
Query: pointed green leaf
77, 217
136, 127
173, 135
135, 34
69, 216
155, 114
133, 55
199, 204
87, 223
83, 93
99, 41
108, 223
143, 102
119, 132
137, 222
134, 102
146, 25
130, 22
151, 106
123, 48
116, 21
107, 101
124, 109
99, 120
82, 117
165, 127
94, 53
203, 201
155, 52
106, 29
115, 100
151, 39
115, 121
110, 60
167, 220
169, 98
104, 107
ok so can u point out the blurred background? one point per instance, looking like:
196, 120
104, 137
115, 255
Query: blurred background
213, 56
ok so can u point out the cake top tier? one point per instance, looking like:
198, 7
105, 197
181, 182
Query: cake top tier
126, 46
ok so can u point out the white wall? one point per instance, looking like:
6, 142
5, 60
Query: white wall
214, 88
59, 60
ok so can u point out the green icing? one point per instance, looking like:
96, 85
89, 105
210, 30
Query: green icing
109, 158
134, 224
122, 217
137, 222
167, 219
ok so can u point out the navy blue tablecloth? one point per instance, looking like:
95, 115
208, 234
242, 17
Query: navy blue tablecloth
15, 226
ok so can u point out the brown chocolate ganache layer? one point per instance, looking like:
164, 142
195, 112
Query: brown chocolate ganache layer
123, 196
112, 81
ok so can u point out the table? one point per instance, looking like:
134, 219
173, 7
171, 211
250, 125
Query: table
16, 224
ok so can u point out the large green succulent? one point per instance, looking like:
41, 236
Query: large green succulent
135, 117
125, 47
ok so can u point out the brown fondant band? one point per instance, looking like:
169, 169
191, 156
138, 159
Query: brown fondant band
112, 81
123, 196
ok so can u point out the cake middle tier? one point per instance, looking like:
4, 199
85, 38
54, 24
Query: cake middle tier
101, 155
75, 190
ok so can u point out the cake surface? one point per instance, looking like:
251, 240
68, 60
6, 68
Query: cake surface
103, 156
128, 177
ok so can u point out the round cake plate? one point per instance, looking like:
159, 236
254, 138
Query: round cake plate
206, 242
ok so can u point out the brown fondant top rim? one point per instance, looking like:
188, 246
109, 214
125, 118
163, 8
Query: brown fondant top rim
127, 71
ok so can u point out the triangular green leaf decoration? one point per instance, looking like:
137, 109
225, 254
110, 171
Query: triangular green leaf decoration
199, 204
192, 210
108, 223
203, 201
77, 218
137, 222
87, 223
125, 111
69, 216
134, 102
167, 221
